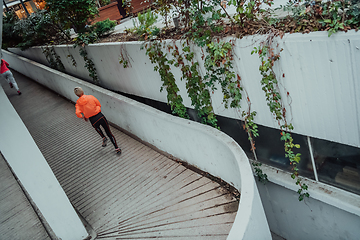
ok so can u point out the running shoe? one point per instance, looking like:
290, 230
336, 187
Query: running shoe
104, 142
118, 151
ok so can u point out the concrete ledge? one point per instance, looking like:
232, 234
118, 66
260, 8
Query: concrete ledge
202, 146
329, 213
341, 199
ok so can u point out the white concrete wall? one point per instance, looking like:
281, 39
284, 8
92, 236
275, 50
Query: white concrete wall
319, 73
329, 214
322, 221
199, 145
31, 168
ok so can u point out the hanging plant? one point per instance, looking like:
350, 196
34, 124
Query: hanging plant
73, 61
196, 87
53, 59
124, 57
272, 94
218, 64
82, 41
162, 65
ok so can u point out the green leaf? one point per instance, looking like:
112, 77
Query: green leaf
301, 197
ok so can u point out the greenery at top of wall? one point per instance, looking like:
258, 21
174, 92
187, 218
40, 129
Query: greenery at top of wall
103, 28
52, 25
36, 30
331, 16
251, 17
72, 14
145, 30
10, 37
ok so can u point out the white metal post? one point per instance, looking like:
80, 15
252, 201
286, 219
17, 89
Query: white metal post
312, 159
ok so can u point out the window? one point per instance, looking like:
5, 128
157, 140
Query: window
337, 164
270, 150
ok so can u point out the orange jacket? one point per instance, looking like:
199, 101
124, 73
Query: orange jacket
88, 105
4, 66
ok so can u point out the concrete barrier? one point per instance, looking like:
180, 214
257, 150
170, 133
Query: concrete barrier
202, 146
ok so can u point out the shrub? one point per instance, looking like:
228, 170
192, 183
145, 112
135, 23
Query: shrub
146, 20
38, 29
104, 27
10, 36
72, 13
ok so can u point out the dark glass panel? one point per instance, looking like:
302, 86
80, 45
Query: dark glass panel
337, 164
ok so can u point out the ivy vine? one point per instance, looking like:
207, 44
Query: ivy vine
197, 89
89, 64
73, 61
272, 94
81, 41
53, 59
124, 58
162, 65
218, 64
203, 19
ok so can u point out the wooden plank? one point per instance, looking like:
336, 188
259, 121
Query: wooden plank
18, 219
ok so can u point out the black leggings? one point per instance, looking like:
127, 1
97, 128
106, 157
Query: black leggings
99, 119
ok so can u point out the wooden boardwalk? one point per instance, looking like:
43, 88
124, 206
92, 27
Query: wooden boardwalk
18, 219
140, 194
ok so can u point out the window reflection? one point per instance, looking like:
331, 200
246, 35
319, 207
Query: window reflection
30, 5
270, 150
337, 164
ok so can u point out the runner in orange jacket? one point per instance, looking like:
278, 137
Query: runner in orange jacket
7, 74
88, 107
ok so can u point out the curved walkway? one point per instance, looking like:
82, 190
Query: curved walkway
140, 194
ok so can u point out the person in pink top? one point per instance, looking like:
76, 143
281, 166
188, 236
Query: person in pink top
7, 74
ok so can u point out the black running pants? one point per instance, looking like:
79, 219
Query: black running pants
100, 120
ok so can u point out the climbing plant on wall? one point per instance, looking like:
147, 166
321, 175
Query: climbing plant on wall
206, 18
162, 65
81, 41
53, 59
270, 87
197, 89
201, 23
